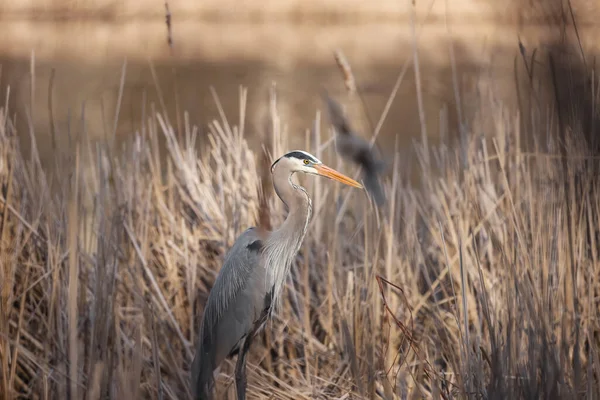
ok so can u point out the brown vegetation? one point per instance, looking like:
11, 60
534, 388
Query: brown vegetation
480, 282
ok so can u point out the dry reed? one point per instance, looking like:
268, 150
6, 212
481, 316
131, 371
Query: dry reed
468, 290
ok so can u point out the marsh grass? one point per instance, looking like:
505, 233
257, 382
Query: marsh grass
469, 285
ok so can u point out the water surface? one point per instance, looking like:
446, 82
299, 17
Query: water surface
86, 59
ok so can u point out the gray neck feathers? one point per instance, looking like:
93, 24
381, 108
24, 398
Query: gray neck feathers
284, 243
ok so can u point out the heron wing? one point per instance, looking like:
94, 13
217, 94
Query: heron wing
235, 303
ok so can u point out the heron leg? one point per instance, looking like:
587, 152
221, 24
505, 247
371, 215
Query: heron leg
240, 367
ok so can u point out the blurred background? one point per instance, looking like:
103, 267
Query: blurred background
73, 65
79, 48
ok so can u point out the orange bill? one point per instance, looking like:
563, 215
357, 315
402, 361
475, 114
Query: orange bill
324, 170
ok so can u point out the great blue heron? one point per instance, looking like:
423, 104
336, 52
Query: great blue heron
251, 280
356, 149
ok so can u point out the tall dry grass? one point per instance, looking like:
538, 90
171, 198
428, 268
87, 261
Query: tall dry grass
472, 284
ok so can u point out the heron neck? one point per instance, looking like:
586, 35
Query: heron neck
284, 242
299, 208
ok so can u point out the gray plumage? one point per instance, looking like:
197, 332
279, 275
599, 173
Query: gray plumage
249, 285
235, 302
354, 148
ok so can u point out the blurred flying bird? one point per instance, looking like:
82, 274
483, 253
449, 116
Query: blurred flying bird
354, 148
250, 283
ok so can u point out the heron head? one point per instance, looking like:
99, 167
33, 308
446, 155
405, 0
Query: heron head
301, 161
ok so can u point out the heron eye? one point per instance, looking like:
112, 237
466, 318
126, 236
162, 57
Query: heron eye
306, 162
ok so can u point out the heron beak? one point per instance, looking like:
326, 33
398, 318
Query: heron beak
331, 173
